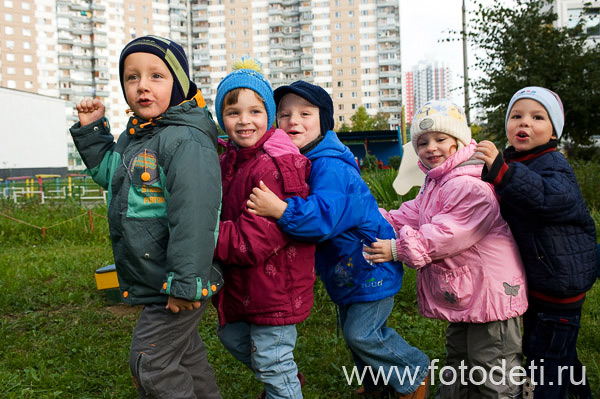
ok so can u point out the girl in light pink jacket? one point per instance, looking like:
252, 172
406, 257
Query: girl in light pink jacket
469, 268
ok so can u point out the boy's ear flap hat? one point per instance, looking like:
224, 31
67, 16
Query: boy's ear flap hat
440, 116
549, 99
315, 95
173, 55
247, 73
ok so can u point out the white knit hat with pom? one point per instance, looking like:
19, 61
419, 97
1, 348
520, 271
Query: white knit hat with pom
440, 116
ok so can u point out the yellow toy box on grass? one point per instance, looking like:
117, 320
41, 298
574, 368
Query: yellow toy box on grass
107, 281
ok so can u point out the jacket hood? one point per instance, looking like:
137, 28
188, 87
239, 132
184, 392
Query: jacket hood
332, 147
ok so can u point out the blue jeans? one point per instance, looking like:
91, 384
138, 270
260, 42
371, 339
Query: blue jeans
268, 351
373, 344
549, 342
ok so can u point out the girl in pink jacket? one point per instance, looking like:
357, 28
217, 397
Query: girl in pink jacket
469, 268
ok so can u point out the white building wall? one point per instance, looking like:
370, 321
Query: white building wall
33, 131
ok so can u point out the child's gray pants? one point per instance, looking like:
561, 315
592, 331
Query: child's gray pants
168, 358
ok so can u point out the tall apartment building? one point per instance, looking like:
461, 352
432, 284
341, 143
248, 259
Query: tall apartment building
70, 48
569, 12
427, 81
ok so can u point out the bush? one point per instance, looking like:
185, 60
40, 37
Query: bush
394, 161
380, 183
370, 162
588, 177
581, 153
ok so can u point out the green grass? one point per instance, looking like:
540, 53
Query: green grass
62, 339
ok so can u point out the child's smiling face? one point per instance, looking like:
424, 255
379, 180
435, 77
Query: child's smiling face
148, 84
528, 125
246, 121
299, 119
434, 148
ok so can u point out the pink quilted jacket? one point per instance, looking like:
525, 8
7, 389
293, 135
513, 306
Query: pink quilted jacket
469, 267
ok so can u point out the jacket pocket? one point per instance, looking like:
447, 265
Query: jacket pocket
450, 288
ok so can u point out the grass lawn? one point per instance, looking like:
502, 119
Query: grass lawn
62, 339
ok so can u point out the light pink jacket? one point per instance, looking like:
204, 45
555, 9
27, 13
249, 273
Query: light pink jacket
469, 267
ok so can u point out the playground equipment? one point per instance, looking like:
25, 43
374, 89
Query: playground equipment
52, 187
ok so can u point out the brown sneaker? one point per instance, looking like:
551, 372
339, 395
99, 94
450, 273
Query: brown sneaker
422, 391
362, 394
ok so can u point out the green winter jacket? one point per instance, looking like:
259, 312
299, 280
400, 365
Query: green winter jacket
164, 193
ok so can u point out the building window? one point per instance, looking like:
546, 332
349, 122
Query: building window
9, 30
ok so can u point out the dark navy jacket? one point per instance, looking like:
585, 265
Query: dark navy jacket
342, 215
541, 201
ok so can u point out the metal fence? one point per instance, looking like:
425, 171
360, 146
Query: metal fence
51, 187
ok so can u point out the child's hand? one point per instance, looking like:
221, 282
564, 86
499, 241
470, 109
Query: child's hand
487, 152
380, 251
264, 202
90, 110
178, 304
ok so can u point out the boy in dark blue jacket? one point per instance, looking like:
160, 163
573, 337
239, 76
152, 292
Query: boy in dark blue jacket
342, 215
541, 202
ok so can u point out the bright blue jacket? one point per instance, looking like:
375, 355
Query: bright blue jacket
342, 215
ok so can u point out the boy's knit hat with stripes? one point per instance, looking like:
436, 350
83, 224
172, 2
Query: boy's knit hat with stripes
173, 56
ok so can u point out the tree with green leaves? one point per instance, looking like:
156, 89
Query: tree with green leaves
362, 121
519, 45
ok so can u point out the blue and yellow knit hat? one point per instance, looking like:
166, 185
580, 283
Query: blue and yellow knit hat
173, 55
549, 100
247, 73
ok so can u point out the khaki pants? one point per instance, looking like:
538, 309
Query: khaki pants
482, 356
168, 358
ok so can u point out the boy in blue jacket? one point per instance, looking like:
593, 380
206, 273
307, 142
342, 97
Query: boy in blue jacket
541, 202
342, 215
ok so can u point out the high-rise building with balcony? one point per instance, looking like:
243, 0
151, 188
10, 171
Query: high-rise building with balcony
427, 81
70, 48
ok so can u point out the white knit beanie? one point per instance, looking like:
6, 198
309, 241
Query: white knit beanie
440, 116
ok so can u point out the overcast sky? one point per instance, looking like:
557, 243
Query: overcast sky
423, 24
